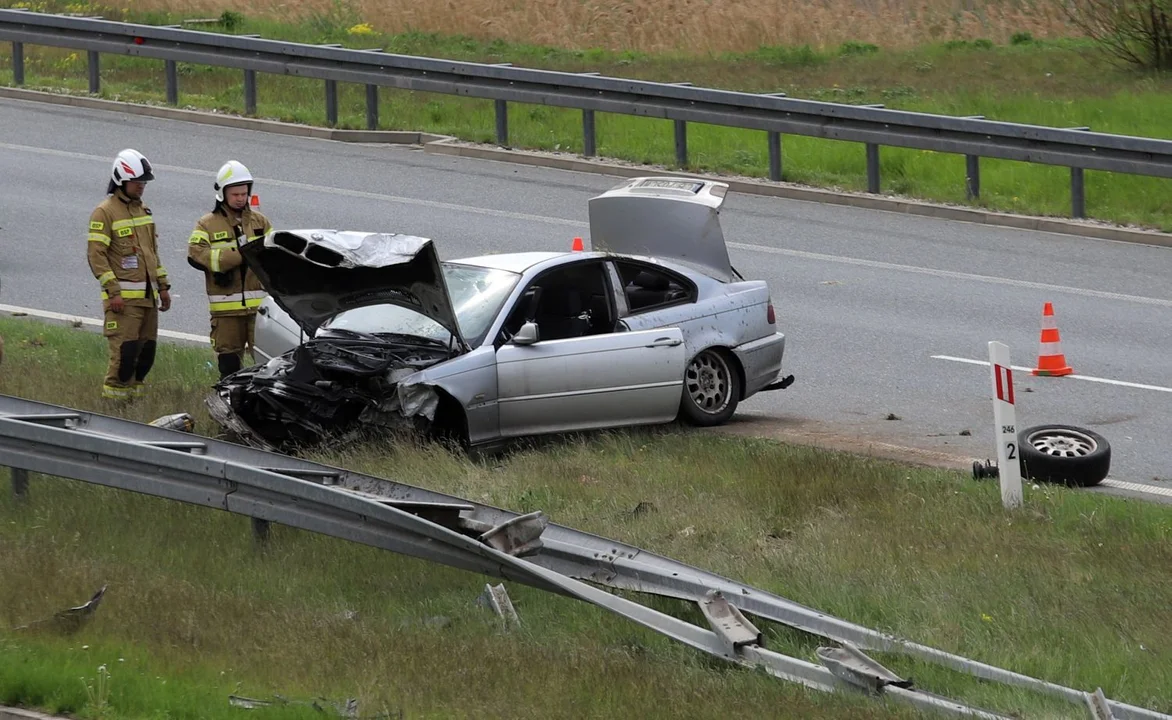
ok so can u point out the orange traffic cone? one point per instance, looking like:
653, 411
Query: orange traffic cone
254, 201
1051, 361
577, 246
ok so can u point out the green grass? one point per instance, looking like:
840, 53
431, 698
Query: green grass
66, 366
1073, 588
1057, 83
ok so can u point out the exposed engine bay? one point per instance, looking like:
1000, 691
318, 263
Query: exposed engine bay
335, 389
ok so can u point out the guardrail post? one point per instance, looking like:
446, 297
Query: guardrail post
872, 159
972, 176
502, 122
972, 169
332, 94
773, 140
19, 483
1078, 188
372, 107
681, 132
501, 109
774, 155
260, 530
172, 72
1078, 193
250, 92
18, 63
681, 143
331, 102
872, 168
589, 137
249, 85
95, 78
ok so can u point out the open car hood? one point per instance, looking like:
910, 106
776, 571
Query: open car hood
672, 218
316, 274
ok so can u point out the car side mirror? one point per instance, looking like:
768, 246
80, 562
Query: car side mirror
527, 335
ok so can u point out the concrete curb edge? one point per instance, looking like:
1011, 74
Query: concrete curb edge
12, 713
445, 145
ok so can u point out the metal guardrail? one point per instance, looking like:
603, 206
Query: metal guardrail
270, 487
873, 125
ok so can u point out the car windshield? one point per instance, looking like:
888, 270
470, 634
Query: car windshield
477, 294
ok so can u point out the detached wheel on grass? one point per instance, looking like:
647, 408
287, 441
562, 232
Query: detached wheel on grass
712, 389
1064, 454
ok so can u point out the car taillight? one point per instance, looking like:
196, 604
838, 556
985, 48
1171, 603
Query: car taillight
770, 316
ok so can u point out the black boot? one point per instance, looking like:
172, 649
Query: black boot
229, 363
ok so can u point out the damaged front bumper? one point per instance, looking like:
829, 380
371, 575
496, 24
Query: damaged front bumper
328, 390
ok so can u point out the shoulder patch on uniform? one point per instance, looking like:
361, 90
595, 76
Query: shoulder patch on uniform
95, 225
221, 235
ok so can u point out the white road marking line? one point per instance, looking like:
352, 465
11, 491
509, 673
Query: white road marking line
1088, 378
1136, 487
49, 315
566, 222
320, 189
953, 275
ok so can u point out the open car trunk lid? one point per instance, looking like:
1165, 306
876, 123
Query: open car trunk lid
666, 217
316, 274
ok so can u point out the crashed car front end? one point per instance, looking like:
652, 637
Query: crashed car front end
379, 309
332, 389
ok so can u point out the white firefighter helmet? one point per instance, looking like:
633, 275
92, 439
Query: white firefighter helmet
231, 173
130, 164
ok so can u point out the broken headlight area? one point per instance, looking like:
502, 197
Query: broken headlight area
333, 389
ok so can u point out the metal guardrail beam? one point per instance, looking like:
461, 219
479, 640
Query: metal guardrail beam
677, 102
51, 443
273, 487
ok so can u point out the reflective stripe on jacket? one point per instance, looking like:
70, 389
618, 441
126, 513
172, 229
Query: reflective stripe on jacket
123, 250
214, 248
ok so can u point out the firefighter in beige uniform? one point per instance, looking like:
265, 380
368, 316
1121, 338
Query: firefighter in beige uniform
234, 293
123, 255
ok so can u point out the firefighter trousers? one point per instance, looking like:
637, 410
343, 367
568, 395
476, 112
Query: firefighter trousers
231, 336
132, 335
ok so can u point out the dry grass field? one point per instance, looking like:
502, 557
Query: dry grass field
657, 26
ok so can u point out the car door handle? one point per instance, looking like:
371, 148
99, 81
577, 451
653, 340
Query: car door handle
665, 342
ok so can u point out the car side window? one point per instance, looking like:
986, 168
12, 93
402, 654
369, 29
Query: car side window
566, 302
650, 288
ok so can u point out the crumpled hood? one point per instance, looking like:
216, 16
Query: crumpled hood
316, 274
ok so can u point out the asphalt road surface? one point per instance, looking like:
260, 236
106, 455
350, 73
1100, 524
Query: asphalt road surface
880, 309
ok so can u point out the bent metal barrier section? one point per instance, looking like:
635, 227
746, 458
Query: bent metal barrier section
873, 125
270, 487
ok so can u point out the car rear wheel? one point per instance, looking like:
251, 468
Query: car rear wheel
1064, 454
712, 389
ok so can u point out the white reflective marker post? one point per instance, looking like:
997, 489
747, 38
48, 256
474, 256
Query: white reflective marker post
1005, 425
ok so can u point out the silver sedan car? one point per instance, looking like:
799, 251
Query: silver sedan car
368, 331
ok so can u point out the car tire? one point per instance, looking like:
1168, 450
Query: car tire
1064, 454
712, 389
